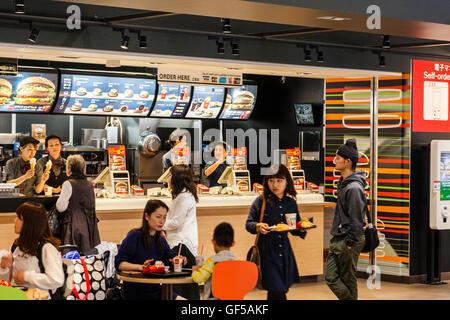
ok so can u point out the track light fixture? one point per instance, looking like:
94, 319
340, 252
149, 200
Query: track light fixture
125, 41
381, 60
220, 46
386, 42
226, 25
319, 55
307, 53
235, 48
20, 7
34, 33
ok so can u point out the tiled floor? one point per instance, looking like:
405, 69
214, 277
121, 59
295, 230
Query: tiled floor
388, 291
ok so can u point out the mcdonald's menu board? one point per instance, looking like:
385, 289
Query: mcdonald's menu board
105, 95
32, 92
172, 101
206, 102
239, 103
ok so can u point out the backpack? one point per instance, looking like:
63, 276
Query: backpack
60, 292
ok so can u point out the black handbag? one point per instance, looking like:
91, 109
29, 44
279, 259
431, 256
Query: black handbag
253, 254
55, 219
371, 234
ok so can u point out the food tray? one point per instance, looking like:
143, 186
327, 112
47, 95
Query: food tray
296, 229
168, 274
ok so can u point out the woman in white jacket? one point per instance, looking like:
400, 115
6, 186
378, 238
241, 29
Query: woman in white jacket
181, 225
31, 225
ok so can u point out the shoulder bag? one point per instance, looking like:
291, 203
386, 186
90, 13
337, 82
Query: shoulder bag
253, 254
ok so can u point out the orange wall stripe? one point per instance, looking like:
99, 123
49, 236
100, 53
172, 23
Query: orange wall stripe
346, 79
339, 116
391, 209
402, 195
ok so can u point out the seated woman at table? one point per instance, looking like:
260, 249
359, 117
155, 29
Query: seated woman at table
142, 247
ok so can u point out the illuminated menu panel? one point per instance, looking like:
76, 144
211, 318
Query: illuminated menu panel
172, 101
239, 103
105, 95
32, 92
206, 102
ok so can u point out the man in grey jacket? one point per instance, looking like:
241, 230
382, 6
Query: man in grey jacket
347, 229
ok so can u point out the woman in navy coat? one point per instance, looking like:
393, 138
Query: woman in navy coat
278, 265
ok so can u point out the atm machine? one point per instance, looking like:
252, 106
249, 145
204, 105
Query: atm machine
439, 204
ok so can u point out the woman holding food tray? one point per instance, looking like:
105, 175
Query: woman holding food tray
278, 265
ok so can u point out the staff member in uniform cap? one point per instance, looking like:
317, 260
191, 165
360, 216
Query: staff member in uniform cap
58, 169
178, 138
347, 229
22, 173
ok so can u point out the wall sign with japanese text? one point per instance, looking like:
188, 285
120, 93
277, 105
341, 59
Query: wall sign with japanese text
430, 103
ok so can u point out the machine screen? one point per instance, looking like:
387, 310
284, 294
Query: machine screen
445, 176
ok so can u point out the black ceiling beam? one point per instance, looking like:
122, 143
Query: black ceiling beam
292, 32
137, 16
421, 45
87, 23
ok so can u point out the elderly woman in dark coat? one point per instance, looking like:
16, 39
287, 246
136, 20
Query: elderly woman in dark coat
278, 265
78, 198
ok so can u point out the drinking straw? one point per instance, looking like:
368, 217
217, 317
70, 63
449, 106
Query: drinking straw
179, 250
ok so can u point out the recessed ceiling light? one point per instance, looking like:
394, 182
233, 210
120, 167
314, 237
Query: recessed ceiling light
67, 57
334, 18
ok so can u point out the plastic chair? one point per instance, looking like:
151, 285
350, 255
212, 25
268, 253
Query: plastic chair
232, 280
10, 293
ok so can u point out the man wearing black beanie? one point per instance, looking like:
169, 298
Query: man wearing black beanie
347, 229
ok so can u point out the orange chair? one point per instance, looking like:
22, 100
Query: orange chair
232, 280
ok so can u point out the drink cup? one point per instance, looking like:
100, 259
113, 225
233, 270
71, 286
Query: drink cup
200, 260
163, 93
177, 264
186, 92
48, 191
291, 219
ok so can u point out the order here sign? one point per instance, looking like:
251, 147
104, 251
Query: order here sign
199, 77
430, 96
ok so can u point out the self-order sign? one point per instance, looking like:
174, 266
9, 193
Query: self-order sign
430, 96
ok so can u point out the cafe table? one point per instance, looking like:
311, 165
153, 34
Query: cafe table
165, 282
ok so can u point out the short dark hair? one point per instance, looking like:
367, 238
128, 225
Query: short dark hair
224, 235
27, 140
50, 137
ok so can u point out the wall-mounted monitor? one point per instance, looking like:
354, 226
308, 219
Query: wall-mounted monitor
172, 100
304, 114
239, 103
206, 103
33, 90
108, 94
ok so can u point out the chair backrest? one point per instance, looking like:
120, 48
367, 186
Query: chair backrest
10, 293
232, 280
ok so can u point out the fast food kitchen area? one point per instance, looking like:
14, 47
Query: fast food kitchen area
123, 89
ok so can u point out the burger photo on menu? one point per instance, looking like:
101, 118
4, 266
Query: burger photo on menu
76, 106
140, 109
92, 108
128, 93
143, 94
108, 108
113, 93
123, 108
118, 161
121, 187
243, 100
242, 185
97, 92
35, 91
228, 101
81, 91
5, 91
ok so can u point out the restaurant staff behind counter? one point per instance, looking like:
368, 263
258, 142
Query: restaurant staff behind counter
21, 170
177, 139
214, 169
53, 163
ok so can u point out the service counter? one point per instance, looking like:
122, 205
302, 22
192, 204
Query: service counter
118, 216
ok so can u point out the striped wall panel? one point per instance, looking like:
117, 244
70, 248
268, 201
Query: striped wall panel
348, 116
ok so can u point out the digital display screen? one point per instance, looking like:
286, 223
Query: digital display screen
206, 102
172, 101
32, 92
239, 103
105, 95
304, 114
445, 176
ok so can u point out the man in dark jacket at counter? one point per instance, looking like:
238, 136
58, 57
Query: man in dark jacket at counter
347, 229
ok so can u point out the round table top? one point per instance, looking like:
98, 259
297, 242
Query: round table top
138, 277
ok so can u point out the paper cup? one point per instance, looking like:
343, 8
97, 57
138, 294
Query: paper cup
291, 219
200, 260
48, 191
177, 264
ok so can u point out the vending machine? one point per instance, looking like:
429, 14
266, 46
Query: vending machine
440, 185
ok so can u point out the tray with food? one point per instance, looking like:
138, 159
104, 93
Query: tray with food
300, 226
